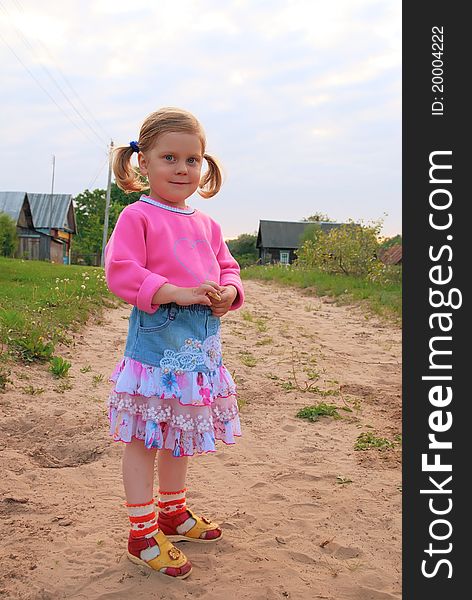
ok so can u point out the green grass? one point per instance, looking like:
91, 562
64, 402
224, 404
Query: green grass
248, 359
384, 300
41, 303
59, 367
368, 440
312, 413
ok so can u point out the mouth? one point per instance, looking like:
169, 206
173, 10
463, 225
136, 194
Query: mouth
178, 182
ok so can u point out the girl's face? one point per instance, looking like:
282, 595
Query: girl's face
173, 167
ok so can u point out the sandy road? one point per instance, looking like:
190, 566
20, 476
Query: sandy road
291, 529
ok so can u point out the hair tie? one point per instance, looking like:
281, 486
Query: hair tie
134, 146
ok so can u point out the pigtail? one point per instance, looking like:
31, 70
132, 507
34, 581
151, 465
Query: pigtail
127, 177
211, 181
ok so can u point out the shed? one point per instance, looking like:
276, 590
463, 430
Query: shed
392, 255
277, 241
31, 243
45, 224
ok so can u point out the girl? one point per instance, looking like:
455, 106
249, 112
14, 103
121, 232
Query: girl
171, 391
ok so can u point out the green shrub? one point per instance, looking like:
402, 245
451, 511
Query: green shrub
312, 413
385, 274
8, 235
349, 249
59, 367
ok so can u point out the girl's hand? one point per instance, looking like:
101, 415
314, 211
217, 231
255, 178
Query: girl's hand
197, 295
221, 307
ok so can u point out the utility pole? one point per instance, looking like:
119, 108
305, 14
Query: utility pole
52, 192
107, 205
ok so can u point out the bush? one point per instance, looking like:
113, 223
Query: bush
385, 274
8, 236
243, 249
349, 249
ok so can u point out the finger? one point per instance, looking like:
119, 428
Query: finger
204, 299
207, 287
213, 284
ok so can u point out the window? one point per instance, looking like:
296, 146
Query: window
284, 257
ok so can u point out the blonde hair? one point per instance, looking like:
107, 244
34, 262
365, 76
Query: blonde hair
165, 120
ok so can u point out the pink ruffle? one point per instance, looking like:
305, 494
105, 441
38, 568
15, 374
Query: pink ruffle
143, 405
164, 423
190, 387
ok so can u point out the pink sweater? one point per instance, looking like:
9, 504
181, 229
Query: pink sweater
153, 244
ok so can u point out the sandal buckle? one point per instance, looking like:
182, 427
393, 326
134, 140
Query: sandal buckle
174, 553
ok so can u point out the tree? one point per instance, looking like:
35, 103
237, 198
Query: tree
90, 214
350, 249
318, 218
243, 248
310, 233
392, 241
8, 235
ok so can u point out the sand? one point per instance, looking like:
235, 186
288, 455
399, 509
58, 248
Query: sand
292, 528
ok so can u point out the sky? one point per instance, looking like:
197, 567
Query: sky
300, 99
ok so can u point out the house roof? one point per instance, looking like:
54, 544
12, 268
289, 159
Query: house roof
285, 234
11, 203
51, 210
62, 215
392, 256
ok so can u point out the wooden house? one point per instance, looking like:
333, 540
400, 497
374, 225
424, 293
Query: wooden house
45, 224
277, 241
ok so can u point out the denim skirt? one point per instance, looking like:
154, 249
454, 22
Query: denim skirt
171, 388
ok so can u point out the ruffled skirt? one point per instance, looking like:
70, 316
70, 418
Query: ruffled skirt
183, 411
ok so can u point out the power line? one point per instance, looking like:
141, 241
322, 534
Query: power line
66, 80
51, 76
38, 82
99, 172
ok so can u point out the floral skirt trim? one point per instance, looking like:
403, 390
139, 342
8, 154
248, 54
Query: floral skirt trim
183, 412
191, 388
165, 423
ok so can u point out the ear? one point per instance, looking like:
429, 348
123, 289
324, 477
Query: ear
142, 163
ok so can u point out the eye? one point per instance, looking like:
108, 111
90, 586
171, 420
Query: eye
168, 157
192, 160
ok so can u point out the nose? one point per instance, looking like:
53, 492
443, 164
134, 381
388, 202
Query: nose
181, 167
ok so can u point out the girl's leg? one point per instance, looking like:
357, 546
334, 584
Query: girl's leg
147, 546
138, 472
172, 471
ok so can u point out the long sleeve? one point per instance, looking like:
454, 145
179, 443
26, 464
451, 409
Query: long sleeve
125, 259
230, 272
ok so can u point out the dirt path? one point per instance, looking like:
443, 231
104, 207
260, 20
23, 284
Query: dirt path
292, 529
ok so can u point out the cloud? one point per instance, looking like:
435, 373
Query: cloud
300, 99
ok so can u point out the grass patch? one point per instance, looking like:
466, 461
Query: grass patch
248, 359
97, 379
261, 325
63, 386
368, 440
312, 413
384, 300
32, 391
59, 367
4, 377
264, 342
42, 302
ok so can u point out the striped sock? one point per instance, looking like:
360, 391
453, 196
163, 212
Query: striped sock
142, 519
172, 503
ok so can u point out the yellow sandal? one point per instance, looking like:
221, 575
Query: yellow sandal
174, 532
171, 561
